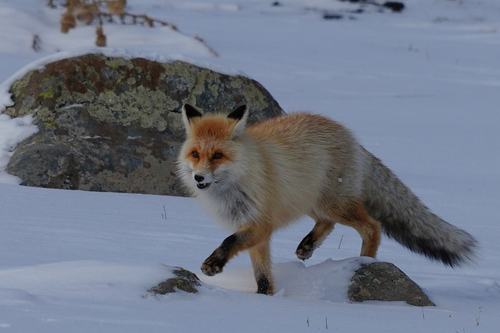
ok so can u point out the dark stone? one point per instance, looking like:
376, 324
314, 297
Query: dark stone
332, 16
184, 280
114, 125
358, 11
359, 7
395, 6
382, 281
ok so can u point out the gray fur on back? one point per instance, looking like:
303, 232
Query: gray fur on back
406, 219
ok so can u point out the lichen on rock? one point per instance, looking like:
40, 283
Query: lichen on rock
183, 280
383, 281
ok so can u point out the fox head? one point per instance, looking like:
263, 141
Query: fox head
209, 157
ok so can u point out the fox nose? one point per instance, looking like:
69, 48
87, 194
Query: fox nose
199, 178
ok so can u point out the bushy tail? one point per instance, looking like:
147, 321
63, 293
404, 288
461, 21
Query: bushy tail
406, 219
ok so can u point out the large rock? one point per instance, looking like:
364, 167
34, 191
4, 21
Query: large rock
114, 124
383, 281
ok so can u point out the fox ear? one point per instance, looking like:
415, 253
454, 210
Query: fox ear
240, 115
188, 113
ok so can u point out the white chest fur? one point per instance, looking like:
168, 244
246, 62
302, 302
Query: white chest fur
232, 205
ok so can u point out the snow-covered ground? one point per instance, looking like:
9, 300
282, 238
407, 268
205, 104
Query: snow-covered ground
420, 89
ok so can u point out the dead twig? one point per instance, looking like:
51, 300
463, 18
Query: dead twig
36, 44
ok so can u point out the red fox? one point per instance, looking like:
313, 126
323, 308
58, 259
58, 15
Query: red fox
262, 177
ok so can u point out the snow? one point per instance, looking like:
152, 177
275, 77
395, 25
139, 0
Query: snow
82, 261
12, 131
420, 89
315, 282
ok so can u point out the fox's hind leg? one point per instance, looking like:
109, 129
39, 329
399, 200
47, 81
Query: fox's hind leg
313, 239
261, 262
368, 228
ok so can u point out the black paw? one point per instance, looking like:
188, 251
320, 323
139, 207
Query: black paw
264, 286
213, 265
305, 249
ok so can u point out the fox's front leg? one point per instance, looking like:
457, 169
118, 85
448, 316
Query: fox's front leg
248, 236
261, 262
218, 259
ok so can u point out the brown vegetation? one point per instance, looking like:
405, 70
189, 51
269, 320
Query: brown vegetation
101, 12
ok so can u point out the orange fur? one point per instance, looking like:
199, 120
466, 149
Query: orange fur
212, 127
210, 135
368, 228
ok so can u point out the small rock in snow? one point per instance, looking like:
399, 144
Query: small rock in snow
184, 280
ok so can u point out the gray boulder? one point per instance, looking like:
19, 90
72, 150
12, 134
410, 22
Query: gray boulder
114, 124
383, 281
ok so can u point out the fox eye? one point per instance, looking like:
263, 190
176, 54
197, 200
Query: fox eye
195, 154
217, 155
